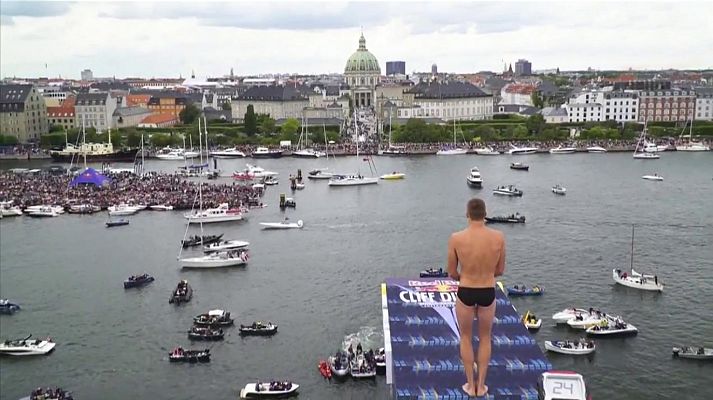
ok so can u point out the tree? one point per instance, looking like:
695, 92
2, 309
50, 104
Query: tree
289, 129
133, 139
250, 120
12, 140
537, 101
56, 128
535, 124
267, 124
226, 106
189, 114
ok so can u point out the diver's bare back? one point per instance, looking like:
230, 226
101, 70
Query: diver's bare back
479, 251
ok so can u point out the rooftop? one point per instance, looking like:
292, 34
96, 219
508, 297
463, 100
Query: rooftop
446, 90
92, 98
519, 88
10, 94
159, 119
272, 93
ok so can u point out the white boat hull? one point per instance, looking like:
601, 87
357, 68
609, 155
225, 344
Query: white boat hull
226, 245
646, 156
251, 390
551, 346
161, 208
629, 330
282, 225
693, 147
638, 281
212, 262
586, 323
565, 315
652, 178
30, 349
207, 220
563, 151
451, 152
353, 181
596, 149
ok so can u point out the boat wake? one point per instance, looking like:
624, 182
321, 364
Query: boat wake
369, 337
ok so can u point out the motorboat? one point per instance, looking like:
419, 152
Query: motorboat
393, 176
586, 319
299, 186
49, 394
253, 172
514, 150
83, 209
380, 358
138, 281
395, 151
486, 151
568, 313
339, 364
224, 245
182, 294
161, 207
509, 190
596, 149
10, 211
8, 307
205, 333
56, 208
559, 189
576, 348
452, 152
324, 370
178, 354
169, 154
282, 225
43, 212
230, 258
123, 209
272, 389
636, 280
258, 328
654, 177
270, 181
319, 173
433, 273
264, 152
612, 327
646, 156
507, 219
474, 178
214, 318
552, 384
563, 150
222, 213
519, 166
190, 154
259, 186
227, 153
308, 153
351, 180
696, 353
117, 222
27, 347
361, 367
650, 147
645, 150
522, 290
197, 240
286, 202
531, 321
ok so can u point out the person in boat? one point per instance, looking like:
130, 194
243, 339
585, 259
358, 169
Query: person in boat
701, 351
480, 252
359, 350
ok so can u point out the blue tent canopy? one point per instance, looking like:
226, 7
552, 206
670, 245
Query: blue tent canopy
90, 176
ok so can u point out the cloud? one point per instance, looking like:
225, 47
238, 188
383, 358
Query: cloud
10, 9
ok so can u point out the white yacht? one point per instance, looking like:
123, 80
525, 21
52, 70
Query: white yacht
225, 245
124, 209
394, 150
689, 144
596, 149
646, 156
161, 207
559, 189
26, 347
635, 279
509, 190
57, 209
219, 259
190, 154
647, 150
474, 179
8, 210
170, 154
282, 225
46, 211
455, 150
514, 150
264, 152
562, 150
308, 153
650, 147
223, 213
654, 177
227, 153
486, 151
351, 180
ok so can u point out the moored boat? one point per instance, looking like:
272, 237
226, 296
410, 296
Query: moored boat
516, 218
579, 347
351, 180
563, 150
635, 279
227, 153
282, 225
123, 209
522, 290
433, 273
49, 394
182, 294
486, 151
474, 178
380, 359
83, 209
161, 207
612, 327
205, 333
393, 176
339, 364
586, 319
272, 389
363, 365
264, 152
197, 240
138, 281
509, 190
654, 177
596, 149
514, 150
319, 173
258, 328
551, 384
559, 189
117, 222
43, 212
519, 166
179, 354
214, 318
220, 259
696, 353
222, 213
568, 313
531, 321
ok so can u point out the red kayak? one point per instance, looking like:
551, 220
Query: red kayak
324, 369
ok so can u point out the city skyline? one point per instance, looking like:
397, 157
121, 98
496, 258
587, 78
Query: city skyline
167, 39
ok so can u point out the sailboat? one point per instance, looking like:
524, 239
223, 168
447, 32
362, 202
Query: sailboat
353, 180
690, 145
455, 150
98, 152
394, 150
643, 155
635, 279
306, 152
320, 173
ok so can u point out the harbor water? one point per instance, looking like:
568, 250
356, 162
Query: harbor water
320, 284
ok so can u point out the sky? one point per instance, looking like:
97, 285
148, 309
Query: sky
172, 38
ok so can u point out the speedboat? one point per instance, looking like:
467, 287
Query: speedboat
580, 347
205, 333
169, 154
522, 290
219, 259
612, 327
452, 152
8, 307
587, 319
696, 353
596, 149
253, 172
552, 384
123, 209
282, 225
287, 202
49, 394
636, 280
531, 321
474, 179
514, 150
197, 240
222, 213
178, 354
559, 189
319, 173
395, 151
214, 318
562, 150
308, 153
161, 207
83, 209
433, 273
225, 245
509, 219
182, 294
299, 186
393, 176
258, 328
43, 212
519, 166
10, 211
654, 177
339, 364
227, 153
351, 180
57, 209
138, 281
272, 389
362, 368
509, 190
270, 181
646, 156
565, 315
27, 347
264, 152
486, 151
118, 222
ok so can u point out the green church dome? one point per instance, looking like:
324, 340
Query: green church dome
362, 61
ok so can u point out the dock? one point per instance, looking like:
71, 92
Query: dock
422, 345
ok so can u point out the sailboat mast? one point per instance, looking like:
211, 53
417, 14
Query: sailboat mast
632, 248
356, 132
84, 146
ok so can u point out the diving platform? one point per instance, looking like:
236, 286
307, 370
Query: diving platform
422, 345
